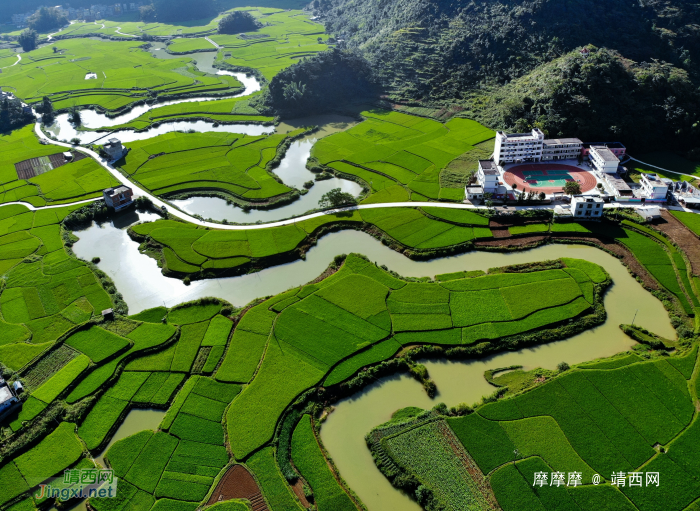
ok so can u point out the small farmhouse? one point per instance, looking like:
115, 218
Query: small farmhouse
114, 149
118, 198
587, 207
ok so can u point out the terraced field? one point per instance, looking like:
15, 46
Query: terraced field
125, 74
286, 37
187, 249
396, 153
75, 181
144, 359
236, 164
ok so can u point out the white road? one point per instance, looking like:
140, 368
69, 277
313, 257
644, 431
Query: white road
19, 59
138, 191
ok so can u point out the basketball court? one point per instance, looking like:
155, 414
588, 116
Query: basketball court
548, 177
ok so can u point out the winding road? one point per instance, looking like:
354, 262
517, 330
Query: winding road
140, 192
19, 59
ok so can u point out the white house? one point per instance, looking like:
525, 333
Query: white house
487, 175
8, 399
653, 188
603, 159
561, 149
474, 192
649, 213
518, 147
587, 207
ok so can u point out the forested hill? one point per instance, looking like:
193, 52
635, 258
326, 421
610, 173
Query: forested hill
599, 97
437, 48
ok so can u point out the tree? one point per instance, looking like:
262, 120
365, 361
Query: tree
514, 186
336, 199
542, 196
46, 110
572, 188
46, 18
5, 115
237, 22
75, 117
28, 39
321, 83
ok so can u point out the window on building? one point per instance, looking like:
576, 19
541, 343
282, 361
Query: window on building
590, 206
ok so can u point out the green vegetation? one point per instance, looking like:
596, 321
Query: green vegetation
353, 309
611, 414
312, 465
97, 343
391, 148
82, 179
61, 380
121, 67
190, 45
286, 37
426, 451
46, 292
203, 249
231, 163
690, 220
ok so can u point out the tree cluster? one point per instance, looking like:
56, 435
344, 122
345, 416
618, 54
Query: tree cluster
321, 83
28, 39
237, 22
13, 115
602, 97
46, 18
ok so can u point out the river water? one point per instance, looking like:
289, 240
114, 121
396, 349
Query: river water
139, 279
293, 172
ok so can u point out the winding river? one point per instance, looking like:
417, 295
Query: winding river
139, 279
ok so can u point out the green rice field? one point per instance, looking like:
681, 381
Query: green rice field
121, 67
227, 162
389, 149
286, 37
188, 249
74, 181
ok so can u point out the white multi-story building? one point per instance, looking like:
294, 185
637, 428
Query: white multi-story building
487, 175
653, 188
518, 147
561, 149
603, 159
587, 207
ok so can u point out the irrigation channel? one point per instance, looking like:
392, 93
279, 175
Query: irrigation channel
138, 278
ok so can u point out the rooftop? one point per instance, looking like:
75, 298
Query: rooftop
533, 135
117, 190
557, 141
605, 153
489, 167
653, 178
618, 183
475, 189
587, 198
5, 394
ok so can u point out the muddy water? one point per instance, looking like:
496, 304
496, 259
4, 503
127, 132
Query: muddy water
136, 420
293, 172
139, 279
463, 382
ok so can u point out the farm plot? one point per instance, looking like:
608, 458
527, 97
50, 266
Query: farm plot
593, 419
235, 164
125, 74
286, 37
426, 450
312, 465
187, 249
355, 310
44, 296
393, 148
190, 45
78, 180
